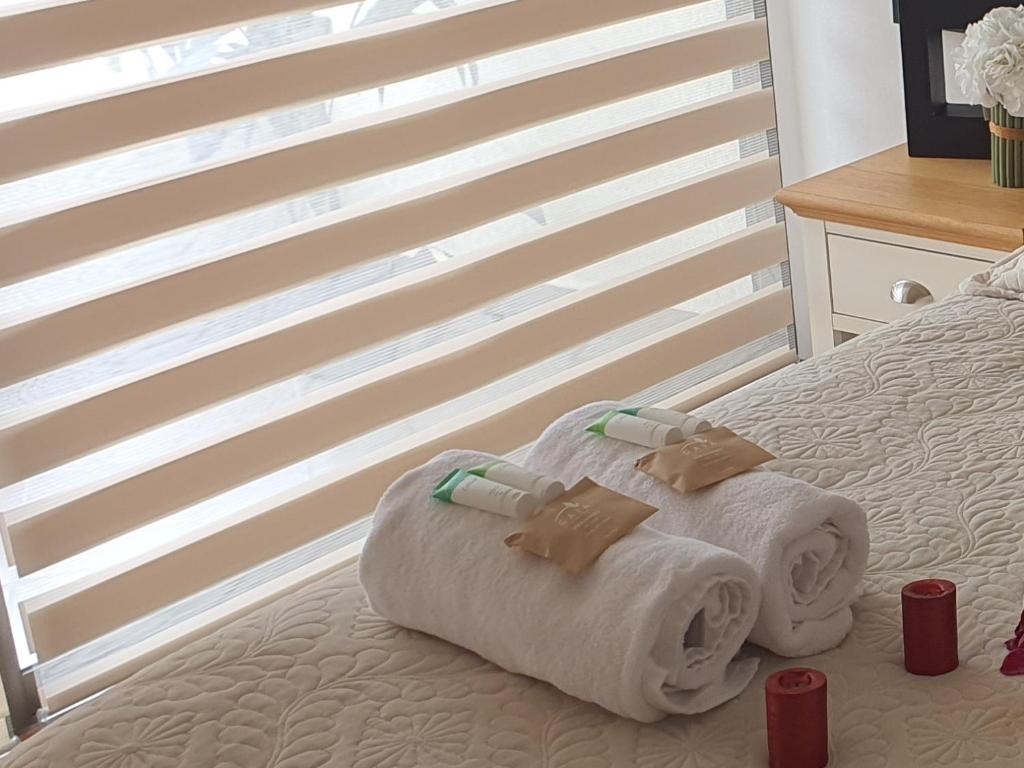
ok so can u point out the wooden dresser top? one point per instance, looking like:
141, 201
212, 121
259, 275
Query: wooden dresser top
950, 200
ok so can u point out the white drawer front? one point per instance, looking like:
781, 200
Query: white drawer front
863, 273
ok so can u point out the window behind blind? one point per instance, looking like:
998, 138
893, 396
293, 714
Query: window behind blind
259, 257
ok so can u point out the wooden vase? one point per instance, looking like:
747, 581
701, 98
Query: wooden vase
1007, 148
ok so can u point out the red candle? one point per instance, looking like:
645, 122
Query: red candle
796, 704
929, 627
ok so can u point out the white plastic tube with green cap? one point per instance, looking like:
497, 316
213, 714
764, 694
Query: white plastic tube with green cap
633, 429
500, 471
690, 424
460, 487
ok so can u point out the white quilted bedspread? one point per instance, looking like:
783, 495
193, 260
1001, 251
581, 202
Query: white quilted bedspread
922, 423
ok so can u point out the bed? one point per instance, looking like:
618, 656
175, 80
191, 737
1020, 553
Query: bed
921, 422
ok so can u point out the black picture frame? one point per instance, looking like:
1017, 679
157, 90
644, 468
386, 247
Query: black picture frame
935, 128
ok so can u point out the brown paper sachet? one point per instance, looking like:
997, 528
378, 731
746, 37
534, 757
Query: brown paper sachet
574, 529
704, 459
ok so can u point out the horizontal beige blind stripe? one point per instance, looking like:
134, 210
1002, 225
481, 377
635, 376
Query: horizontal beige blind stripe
62, 622
386, 143
730, 380
376, 314
114, 669
422, 216
61, 33
345, 63
392, 392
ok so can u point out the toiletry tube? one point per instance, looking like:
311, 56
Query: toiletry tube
796, 705
929, 627
544, 488
691, 425
460, 487
633, 429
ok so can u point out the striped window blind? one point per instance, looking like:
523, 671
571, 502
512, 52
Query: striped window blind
259, 257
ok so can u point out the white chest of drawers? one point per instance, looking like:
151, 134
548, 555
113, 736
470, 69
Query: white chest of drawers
889, 234
860, 279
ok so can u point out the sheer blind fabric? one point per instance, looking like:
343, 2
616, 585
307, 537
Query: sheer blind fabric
258, 258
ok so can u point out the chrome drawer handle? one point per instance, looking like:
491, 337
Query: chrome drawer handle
910, 292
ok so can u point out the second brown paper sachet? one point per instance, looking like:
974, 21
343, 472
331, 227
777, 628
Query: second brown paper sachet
704, 459
574, 529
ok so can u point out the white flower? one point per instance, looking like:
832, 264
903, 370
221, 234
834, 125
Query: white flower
989, 64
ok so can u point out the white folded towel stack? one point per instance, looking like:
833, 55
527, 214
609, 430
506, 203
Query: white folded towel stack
650, 629
808, 547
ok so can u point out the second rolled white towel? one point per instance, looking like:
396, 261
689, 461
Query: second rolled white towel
809, 547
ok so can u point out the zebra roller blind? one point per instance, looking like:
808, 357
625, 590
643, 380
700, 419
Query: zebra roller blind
259, 257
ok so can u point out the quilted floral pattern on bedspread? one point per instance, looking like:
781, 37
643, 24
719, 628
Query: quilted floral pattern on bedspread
922, 423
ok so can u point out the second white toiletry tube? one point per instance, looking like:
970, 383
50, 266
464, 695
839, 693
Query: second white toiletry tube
499, 471
691, 425
460, 487
633, 429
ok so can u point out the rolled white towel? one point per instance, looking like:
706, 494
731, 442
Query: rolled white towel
614, 635
808, 547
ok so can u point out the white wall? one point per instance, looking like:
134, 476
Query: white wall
839, 90
838, 79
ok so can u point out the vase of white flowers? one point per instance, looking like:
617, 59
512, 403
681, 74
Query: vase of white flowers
990, 71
